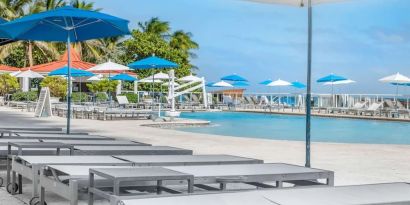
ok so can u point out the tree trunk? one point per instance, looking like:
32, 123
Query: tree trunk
30, 54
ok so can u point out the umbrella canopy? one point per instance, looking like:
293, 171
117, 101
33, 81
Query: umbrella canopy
299, 85
63, 22
15, 73
29, 74
266, 82
149, 80
331, 78
189, 78
279, 83
240, 84
160, 76
396, 78
341, 82
234, 77
109, 66
152, 62
221, 84
123, 77
4, 37
74, 72
95, 78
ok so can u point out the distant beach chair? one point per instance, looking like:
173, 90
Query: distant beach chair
395, 108
373, 109
123, 101
355, 108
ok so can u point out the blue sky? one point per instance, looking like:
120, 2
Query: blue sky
363, 40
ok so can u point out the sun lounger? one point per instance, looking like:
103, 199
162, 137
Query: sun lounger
33, 129
393, 193
57, 136
78, 176
129, 150
98, 142
373, 109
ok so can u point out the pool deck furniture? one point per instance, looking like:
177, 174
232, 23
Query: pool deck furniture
29, 166
99, 142
389, 193
78, 176
58, 136
120, 176
130, 150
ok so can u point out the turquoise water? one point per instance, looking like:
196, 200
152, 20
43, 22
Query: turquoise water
288, 127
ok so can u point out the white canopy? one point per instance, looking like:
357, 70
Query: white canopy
341, 82
109, 66
279, 83
299, 3
222, 84
15, 73
29, 74
396, 78
159, 76
149, 80
189, 78
96, 78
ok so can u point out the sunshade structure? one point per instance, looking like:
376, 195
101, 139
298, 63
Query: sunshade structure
332, 79
109, 66
397, 80
220, 84
15, 73
4, 37
299, 85
66, 71
190, 78
153, 63
95, 78
124, 77
308, 4
160, 76
342, 82
266, 82
234, 77
29, 74
279, 83
65, 24
240, 84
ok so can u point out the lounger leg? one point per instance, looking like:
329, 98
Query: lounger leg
190, 185
20, 183
42, 200
279, 184
159, 186
91, 186
13, 181
222, 186
73, 192
330, 181
35, 180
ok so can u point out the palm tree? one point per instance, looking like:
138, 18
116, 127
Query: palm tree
183, 41
155, 26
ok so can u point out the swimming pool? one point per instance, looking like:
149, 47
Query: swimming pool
290, 127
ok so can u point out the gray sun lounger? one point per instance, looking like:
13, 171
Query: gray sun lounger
78, 176
380, 194
99, 142
58, 136
29, 166
130, 150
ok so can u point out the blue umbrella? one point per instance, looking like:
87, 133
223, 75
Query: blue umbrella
210, 84
299, 85
74, 72
65, 24
331, 78
4, 37
123, 77
240, 84
234, 77
152, 62
266, 82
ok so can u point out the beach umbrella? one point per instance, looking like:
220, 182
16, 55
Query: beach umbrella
308, 4
279, 83
29, 74
299, 85
240, 84
152, 63
234, 77
15, 73
342, 82
160, 76
123, 77
221, 84
266, 82
96, 78
65, 24
108, 66
332, 78
4, 37
397, 80
190, 78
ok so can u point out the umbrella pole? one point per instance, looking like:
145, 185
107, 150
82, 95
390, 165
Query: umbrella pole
68, 85
308, 89
397, 95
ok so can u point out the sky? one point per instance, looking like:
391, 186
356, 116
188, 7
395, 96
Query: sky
363, 40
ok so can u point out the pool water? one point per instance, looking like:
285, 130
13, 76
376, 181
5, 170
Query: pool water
290, 127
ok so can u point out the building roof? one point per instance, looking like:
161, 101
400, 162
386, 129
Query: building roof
6, 68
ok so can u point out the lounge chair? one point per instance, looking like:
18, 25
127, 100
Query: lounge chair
355, 108
373, 109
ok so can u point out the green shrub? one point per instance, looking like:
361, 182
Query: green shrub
100, 97
24, 96
132, 97
8, 83
79, 97
56, 84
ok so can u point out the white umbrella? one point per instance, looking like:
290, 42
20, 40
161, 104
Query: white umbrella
221, 84
342, 82
308, 4
109, 66
190, 78
95, 78
149, 80
29, 74
279, 83
159, 76
15, 73
396, 79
